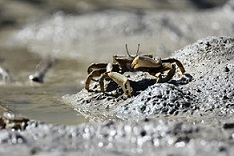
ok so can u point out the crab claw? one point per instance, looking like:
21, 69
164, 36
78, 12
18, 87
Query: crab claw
122, 81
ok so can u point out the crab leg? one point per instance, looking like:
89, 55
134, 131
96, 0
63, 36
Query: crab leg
168, 77
96, 66
94, 73
101, 81
178, 63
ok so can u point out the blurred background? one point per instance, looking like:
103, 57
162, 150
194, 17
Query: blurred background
75, 33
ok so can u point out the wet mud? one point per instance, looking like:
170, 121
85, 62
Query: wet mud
144, 124
188, 115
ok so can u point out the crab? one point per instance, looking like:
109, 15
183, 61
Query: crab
162, 69
113, 71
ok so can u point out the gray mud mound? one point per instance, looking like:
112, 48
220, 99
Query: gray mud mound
205, 55
207, 87
211, 63
161, 98
164, 99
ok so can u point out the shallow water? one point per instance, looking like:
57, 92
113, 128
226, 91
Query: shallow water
40, 101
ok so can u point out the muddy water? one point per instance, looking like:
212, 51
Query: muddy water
40, 101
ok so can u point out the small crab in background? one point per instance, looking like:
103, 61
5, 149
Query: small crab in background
162, 69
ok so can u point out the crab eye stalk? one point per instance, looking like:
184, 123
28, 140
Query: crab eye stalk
138, 48
126, 46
